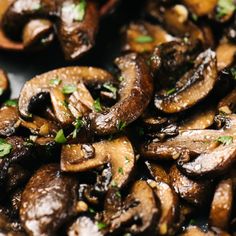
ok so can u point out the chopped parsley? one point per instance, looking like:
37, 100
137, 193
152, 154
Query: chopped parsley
224, 7
121, 78
144, 39
111, 88
121, 125
114, 183
64, 103
78, 124
225, 140
127, 160
194, 17
60, 137
5, 147
69, 88
97, 105
233, 72
55, 81
192, 222
79, 10
118, 194
120, 170
91, 210
11, 103
101, 225
170, 91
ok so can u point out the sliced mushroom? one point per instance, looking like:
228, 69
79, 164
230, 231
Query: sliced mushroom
169, 201
143, 37
76, 32
225, 54
4, 82
48, 200
84, 226
228, 104
9, 120
118, 152
222, 203
196, 192
135, 94
192, 87
201, 8
42, 85
139, 209
37, 33
40, 126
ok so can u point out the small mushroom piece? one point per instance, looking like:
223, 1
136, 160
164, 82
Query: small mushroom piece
225, 54
135, 94
140, 210
196, 192
49, 199
9, 120
192, 87
37, 33
84, 226
40, 126
58, 80
119, 152
4, 82
222, 203
200, 8
143, 37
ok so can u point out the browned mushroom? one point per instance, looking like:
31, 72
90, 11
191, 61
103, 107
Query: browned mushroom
143, 37
118, 152
60, 83
222, 203
196, 192
135, 94
169, 201
139, 209
76, 29
37, 33
48, 200
4, 82
192, 87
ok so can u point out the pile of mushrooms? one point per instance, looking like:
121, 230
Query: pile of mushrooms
146, 149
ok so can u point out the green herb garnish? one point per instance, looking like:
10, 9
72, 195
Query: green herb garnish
91, 210
11, 103
144, 39
192, 222
60, 137
118, 194
225, 140
78, 125
79, 10
97, 105
55, 81
121, 125
101, 225
69, 88
170, 91
120, 170
224, 7
5, 147
111, 88
121, 78
194, 17
233, 72
127, 160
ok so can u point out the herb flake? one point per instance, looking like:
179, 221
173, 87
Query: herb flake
121, 125
80, 10
68, 89
170, 91
5, 147
55, 81
78, 125
120, 170
11, 103
224, 7
97, 105
144, 39
60, 137
111, 88
101, 225
225, 140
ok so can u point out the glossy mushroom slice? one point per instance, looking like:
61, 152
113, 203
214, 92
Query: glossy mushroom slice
139, 211
59, 84
218, 159
169, 201
9, 120
143, 37
37, 34
135, 94
221, 206
228, 104
49, 199
76, 29
196, 192
4, 82
83, 157
225, 54
192, 87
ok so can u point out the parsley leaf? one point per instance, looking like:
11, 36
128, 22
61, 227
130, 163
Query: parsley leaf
233, 72
111, 88
121, 125
144, 39
69, 88
101, 225
11, 103
97, 105
60, 137
79, 10
225, 140
118, 194
5, 147
224, 7
170, 91
120, 170
55, 81
78, 125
